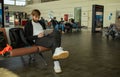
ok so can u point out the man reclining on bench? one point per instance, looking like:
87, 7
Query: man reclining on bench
34, 33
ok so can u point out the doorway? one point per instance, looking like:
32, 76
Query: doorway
77, 14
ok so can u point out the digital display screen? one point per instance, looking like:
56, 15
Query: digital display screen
1, 14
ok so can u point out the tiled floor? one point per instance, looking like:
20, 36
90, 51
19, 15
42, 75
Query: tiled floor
91, 55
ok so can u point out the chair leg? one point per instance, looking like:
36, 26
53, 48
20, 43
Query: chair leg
42, 57
23, 60
31, 58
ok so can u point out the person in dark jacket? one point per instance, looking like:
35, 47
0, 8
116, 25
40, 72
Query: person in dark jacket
54, 22
34, 33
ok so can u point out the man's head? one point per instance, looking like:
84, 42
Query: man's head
35, 15
61, 19
54, 18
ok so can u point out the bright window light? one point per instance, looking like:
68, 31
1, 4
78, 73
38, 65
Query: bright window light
15, 2
20, 3
9, 2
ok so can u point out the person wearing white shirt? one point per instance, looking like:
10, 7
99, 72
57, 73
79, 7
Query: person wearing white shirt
34, 33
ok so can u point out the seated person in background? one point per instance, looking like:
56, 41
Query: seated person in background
60, 27
34, 33
42, 21
68, 26
74, 24
54, 22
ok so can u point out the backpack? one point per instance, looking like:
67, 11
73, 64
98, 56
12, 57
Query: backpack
17, 38
2, 40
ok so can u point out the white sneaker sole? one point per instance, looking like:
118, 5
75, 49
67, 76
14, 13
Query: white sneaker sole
58, 71
62, 55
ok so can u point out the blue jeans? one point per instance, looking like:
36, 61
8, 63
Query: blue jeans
60, 26
75, 25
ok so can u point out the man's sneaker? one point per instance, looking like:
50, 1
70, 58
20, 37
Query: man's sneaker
57, 67
60, 53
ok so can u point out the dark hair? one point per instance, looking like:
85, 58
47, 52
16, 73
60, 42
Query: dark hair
118, 17
36, 12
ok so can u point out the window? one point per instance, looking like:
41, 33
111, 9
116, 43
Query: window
10, 2
15, 2
22, 2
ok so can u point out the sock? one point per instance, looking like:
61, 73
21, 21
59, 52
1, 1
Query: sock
57, 64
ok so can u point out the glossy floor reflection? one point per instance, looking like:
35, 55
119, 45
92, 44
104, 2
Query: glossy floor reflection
91, 55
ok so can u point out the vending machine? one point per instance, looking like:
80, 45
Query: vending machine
97, 18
